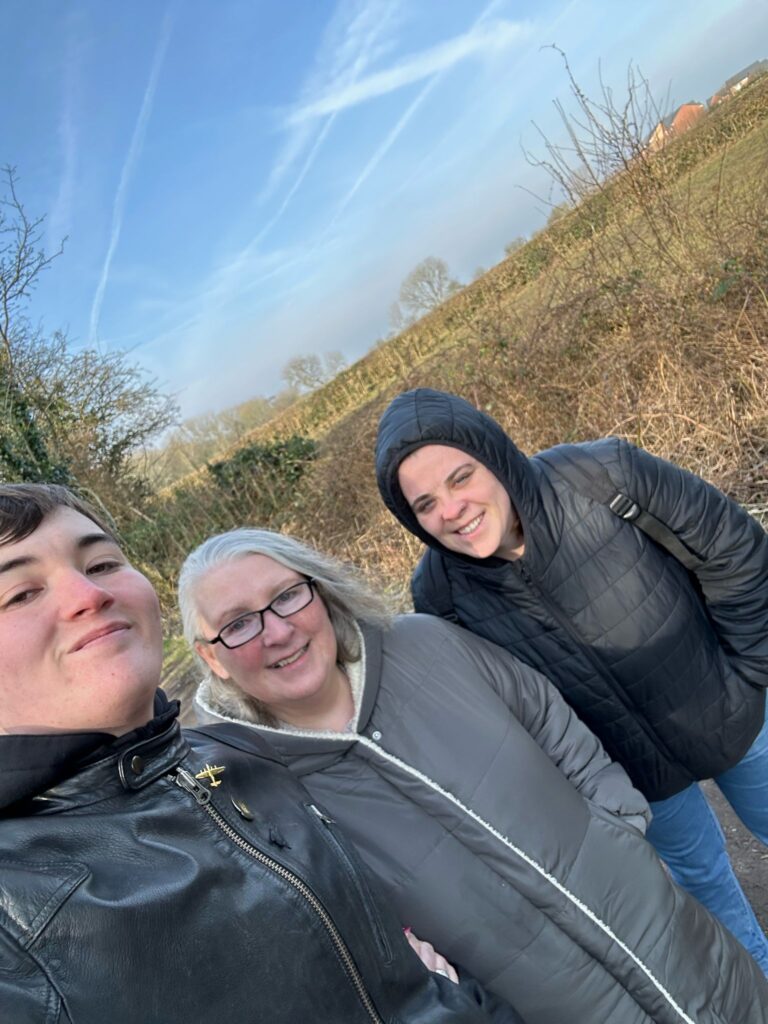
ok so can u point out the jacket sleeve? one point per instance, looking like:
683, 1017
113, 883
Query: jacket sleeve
560, 733
733, 546
494, 1008
420, 594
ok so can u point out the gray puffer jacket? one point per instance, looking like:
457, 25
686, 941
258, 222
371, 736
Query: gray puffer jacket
502, 831
667, 667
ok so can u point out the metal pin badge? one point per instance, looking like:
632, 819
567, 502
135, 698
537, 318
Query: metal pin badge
242, 808
210, 772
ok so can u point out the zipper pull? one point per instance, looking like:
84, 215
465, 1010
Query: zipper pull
323, 817
188, 782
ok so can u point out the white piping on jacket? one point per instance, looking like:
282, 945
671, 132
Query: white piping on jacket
366, 742
532, 863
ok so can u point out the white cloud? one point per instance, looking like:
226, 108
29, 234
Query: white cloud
483, 38
60, 218
134, 151
469, 43
384, 148
358, 34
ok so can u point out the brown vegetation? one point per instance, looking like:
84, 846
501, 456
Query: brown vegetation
642, 312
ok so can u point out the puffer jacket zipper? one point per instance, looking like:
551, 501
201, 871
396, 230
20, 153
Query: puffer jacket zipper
584, 648
186, 781
357, 879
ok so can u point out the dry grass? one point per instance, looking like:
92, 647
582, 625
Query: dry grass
643, 312
664, 344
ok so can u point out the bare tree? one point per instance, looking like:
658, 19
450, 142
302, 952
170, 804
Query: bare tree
427, 286
73, 418
305, 373
398, 320
605, 169
22, 259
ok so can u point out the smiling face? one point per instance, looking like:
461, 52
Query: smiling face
80, 632
290, 667
460, 503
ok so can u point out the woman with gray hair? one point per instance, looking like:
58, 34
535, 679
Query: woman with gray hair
492, 815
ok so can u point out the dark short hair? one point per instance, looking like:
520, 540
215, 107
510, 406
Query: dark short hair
23, 507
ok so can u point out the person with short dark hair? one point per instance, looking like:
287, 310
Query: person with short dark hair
154, 876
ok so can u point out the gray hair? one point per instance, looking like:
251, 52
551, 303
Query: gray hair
347, 597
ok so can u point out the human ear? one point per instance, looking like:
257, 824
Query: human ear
208, 655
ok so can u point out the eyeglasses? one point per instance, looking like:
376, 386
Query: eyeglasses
247, 627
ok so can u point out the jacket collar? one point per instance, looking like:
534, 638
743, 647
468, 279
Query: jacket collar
133, 766
32, 764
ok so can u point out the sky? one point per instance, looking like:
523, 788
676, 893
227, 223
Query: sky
242, 181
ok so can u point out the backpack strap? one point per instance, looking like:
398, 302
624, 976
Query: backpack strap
571, 462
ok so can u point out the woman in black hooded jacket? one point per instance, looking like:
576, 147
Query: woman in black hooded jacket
660, 645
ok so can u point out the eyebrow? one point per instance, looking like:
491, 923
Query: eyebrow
235, 611
449, 479
87, 541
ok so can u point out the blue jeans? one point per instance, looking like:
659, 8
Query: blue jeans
687, 836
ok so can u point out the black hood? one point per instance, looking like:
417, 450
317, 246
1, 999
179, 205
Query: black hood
423, 416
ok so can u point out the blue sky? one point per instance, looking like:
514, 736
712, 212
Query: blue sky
242, 181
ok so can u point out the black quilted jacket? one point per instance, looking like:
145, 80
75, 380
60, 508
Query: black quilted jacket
668, 668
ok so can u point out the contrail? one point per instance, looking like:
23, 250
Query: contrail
437, 62
60, 218
134, 150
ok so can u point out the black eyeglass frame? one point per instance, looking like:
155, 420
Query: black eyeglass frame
219, 639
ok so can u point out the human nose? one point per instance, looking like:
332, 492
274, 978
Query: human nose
276, 629
80, 595
452, 508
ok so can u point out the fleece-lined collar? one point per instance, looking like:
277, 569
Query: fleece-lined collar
311, 750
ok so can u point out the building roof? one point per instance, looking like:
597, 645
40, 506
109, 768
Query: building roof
757, 67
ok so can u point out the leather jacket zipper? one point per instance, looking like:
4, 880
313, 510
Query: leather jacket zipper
358, 881
186, 781
565, 623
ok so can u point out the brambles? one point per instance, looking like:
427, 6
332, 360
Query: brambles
257, 484
642, 311
272, 469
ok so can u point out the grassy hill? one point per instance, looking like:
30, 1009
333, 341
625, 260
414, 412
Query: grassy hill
641, 312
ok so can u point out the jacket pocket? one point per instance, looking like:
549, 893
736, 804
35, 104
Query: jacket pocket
356, 873
621, 821
36, 892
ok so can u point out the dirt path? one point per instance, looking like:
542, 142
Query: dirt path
749, 856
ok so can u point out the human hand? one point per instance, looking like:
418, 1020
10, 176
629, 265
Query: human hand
429, 956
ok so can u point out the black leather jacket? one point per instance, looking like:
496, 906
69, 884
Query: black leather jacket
135, 893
